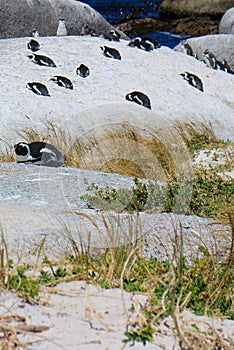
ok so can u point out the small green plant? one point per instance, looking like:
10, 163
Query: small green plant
141, 334
198, 137
23, 284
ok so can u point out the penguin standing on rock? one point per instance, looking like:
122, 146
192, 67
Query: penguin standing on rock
62, 81
38, 88
139, 98
110, 52
35, 33
38, 153
187, 48
33, 45
41, 60
210, 59
62, 29
193, 80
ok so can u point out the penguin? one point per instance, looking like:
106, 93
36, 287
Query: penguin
139, 98
110, 52
193, 80
141, 44
38, 153
33, 45
83, 71
187, 48
62, 81
35, 33
62, 29
38, 88
224, 67
155, 44
210, 59
112, 35
227, 68
41, 60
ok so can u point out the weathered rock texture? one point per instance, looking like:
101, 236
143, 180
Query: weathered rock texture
189, 8
226, 25
221, 45
19, 18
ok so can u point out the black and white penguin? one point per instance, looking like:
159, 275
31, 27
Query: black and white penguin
62, 81
62, 29
224, 67
112, 35
110, 52
152, 42
193, 80
42, 60
139, 98
210, 59
33, 45
35, 33
83, 71
38, 153
186, 47
141, 44
38, 88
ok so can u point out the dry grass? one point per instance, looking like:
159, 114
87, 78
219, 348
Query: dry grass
121, 148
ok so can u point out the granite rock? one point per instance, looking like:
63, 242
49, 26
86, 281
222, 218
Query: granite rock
20, 18
226, 25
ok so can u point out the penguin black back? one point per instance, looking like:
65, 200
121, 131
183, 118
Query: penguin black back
139, 98
83, 71
110, 52
33, 45
193, 80
39, 153
38, 88
41, 60
62, 81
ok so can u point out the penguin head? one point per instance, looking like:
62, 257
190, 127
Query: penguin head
31, 56
185, 75
54, 78
129, 97
102, 48
22, 150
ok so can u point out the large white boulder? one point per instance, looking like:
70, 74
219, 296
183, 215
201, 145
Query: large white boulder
99, 100
226, 25
19, 18
220, 44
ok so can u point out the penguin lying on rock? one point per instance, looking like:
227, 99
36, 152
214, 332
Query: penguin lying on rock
38, 153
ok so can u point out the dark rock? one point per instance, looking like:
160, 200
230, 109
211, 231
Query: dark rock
226, 25
19, 18
187, 8
142, 26
195, 26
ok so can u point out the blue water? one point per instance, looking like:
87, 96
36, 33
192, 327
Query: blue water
121, 10
118, 10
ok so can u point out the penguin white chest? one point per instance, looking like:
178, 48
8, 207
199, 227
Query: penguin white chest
62, 29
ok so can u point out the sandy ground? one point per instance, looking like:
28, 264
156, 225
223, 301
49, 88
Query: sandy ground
82, 316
